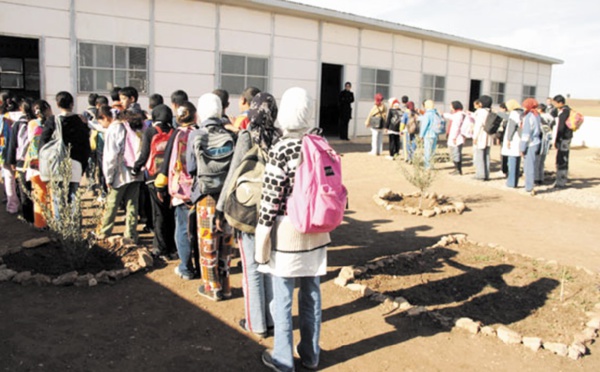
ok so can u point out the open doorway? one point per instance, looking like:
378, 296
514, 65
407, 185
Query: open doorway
20, 66
331, 85
474, 93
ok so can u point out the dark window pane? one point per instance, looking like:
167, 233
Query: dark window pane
137, 58
384, 90
104, 80
367, 75
86, 55
501, 87
11, 65
233, 84
138, 80
440, 82
11, 81
260, 83
258, 66
383, 77
120, 57
428, 81
104, 55
439, 95
86, 80
233, 64
121, 78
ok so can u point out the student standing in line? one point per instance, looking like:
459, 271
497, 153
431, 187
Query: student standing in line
531, 140
345, 100
455, 138
512, 141
375, 121
482, 141
562, 142
10, 185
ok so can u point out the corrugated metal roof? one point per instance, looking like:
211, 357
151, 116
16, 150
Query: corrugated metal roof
333, 16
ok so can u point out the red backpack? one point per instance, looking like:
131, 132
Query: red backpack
157, 151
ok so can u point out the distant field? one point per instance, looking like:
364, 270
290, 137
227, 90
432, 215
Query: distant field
588, 107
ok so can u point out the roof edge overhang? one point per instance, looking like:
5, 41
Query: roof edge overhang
347, 19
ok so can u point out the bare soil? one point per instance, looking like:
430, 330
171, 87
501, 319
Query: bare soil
157, 322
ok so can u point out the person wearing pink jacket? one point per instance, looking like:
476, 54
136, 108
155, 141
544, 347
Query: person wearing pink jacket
455, 137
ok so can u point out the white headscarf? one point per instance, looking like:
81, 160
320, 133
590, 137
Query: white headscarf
209, 106
295, 110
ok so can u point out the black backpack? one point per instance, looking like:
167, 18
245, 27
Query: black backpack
492, 123
213, 151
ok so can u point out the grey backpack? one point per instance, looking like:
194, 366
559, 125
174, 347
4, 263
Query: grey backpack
52, 154
213, 151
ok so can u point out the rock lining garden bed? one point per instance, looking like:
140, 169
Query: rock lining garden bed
486, 290
430, 205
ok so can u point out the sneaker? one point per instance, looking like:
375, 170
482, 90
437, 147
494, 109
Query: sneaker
185, 275
242, 324
267, 360
211, 295
389, 157
309, 367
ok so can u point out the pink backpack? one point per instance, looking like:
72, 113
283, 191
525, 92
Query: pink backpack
180, 181
467, 125
132, 146
318, 197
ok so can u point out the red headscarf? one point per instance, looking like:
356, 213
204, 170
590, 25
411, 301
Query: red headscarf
410, 105
530, 105
378, 98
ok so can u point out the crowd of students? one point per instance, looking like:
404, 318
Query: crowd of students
170, 166
526, 130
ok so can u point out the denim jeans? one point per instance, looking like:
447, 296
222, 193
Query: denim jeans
514, 167
258, 288
429, 145
376, 141
539, 167
529, 166
73, 187
182, 240
309, 308
481, 158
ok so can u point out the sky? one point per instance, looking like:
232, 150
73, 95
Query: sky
566, 30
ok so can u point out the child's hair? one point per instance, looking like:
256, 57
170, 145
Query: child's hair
224, 96
249, 93
101, 100
503, 106
129, 92
179, 97
105, 112
404, 99
135, 118
64, 100
40, 107
155, 100
543, 107
26, 108
92, 99
456, 105
559, 99
114, 93
186, 113
5, 98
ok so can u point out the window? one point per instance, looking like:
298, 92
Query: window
102, 67
434, 88
239, 72
497, 91
528, 91
374, 81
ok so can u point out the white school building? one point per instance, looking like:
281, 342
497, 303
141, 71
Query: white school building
159, 46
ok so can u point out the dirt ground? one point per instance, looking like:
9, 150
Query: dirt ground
157, 322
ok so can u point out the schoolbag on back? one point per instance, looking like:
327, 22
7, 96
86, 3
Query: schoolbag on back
213, 151
413, 124
574, 121
492, 123
52, 154
242, 202
318, 197
439, 125
180, 181
468, 123
158, 146
132, 146
4, 138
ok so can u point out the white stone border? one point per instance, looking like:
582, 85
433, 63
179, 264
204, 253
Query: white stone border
385, 197
145, 260
576, 350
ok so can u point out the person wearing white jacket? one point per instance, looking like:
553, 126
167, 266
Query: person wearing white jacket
455, 138
481, 140
511, 142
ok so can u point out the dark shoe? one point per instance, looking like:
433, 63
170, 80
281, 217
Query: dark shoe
306, 366
267, 360
242, 324
211, 295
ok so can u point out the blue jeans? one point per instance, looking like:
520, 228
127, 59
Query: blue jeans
514, 165
309, 308
429, 144
182, 240
529, 166
73, 187
258, 288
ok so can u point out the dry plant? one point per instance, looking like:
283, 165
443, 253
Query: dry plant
64, 216
416, 173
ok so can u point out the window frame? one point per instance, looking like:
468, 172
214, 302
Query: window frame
529, 94
433, 88
245, 75
497, 94
113, 69
369, 97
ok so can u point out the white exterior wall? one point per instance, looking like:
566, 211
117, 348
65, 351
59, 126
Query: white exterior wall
185, 39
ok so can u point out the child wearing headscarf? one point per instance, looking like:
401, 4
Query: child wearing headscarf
392, 126
289, 255
258, 291
482, 141
530, 141
427, 132
511, 142
410, 126
379, 113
